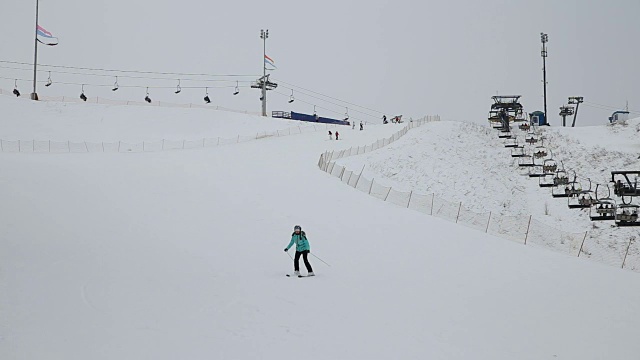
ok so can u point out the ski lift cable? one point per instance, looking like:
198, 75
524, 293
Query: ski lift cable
127, 71
127, 86
123, 76
607, 107
332, 103
330, 97
314, 105
310, 94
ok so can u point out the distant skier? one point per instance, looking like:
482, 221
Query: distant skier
302, 248
330, 135
354, 125
384, 119
361, 126
337, 134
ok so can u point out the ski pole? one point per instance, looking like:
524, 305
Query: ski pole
312, 254
289, 255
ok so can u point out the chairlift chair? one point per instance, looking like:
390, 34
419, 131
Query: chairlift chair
546, 181
560, 178
540, 152
511, 142
627, 215
623, 186
518, 152
83, 97
16, 92
237, 89
116, 86
49, 81
549, 166
536, 171
602, 209
147, 98
526, 161
178, 88
531, 139
291, 98
206, 96
580, 200
560, 191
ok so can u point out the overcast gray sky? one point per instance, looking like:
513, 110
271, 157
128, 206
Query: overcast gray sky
397, 57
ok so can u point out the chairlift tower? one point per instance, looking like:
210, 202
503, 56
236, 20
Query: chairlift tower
575, 100
544, 38
263, 83
564, 112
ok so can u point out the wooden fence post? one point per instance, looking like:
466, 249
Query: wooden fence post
581, 245
388, 192
433, 196
409, 202
459, 207
488, 222
526, 236
357, 181
627, 252
371, 186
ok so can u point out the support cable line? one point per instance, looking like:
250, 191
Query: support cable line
299, 88
127, 71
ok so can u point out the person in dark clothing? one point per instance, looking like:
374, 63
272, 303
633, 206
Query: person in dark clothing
302, 249
361, 126
330, 135
384, 119
337, 134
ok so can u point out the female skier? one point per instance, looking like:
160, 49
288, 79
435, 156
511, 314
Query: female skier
302, 248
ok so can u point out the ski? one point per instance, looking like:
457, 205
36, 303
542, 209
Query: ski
300, 276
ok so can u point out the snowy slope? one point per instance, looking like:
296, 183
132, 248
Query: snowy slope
20, 119
466, 162
178, 255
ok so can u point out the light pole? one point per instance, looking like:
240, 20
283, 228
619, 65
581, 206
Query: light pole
264, 35
544, 38
34, 94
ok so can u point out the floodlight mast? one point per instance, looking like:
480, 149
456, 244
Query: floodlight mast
264, 35
544, 38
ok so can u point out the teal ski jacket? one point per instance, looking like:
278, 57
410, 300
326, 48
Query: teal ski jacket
302, 244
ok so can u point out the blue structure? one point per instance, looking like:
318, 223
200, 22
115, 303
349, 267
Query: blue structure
538, 118
310, 118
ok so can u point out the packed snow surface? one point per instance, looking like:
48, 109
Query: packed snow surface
179, 255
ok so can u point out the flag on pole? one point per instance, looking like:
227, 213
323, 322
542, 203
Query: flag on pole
269, 63
45, 37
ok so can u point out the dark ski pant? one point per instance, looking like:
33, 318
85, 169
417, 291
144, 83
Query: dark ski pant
296, 261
